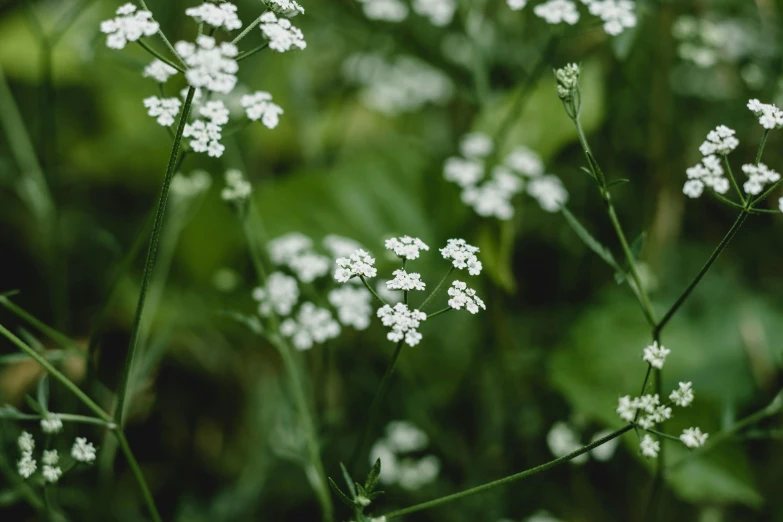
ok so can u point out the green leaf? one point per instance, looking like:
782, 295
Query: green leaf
372, 476
621, 181
340, 495
589, 172
638, 244
43, 393
589, 240
348, 480
597, 169
9, 412
33, 404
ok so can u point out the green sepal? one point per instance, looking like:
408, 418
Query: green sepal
596, 169
372, 476
340, 495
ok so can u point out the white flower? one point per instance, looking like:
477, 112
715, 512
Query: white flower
340, 246
549, 192
558, 11
682, 396
461, 296
562, 440
403, 322
259, 106
279, 295
83, 451
215, 111
309, 266
708, 173
353, 306
222, 15
693, 188
476, 145
206, 137
51, 474
313, 325
159, 71
385, 10
50, 458
360, 263
650, 447
26, 442
655, 354
405, 437
626, 408
406, 247
163, 109
516, 5
414, 474
770, 117
405, 281
463, 172
128, 26
617, 15
693, 437
780, 204
720, 141
759, 175
648, 403
389, 462
51, 424
287, 8
489, 200
525, 162
462, 255
282, 35
210, 65
439, 12
284, 248
237, 187
27, 465
660, 414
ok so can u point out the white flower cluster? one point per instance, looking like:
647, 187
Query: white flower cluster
439, 12
281, 33
405, 281
558, 11
312, 325
237, 189
385, 10
492, 197
462, 296
223, 15
205, 136
296, 251
82, 451
159, 71
647, 410
617, 15
184, 186
704, 42
259, 106
562, 439
352, 305
164, 110
462, 256
720, 141
406, 247
398, 466
708, 173
279, 294
358, 264
758, 176
210, 65
289, 8
403, 85
769, 115
128, 26
404, 323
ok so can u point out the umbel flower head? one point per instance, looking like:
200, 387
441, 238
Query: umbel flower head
568, 88
312, 325
223, 15
358, 264
128, 26
405, 281
237, 189
163, 109
281, 33
159, 71
462, 256
558, 11
210, 65
259, 106
406, 247
404, 323
462, 296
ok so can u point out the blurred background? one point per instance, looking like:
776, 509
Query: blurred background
361, 154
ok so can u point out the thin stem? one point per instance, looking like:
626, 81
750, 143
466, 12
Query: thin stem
437, 289
512, 478
251, 52
762, 144
729, 202
662, 434
447, 309
247, 29
159, 56
721, 246
54, 372
59, 337
149, 265
165, 40
66, 417
375, 405
136, 470
732, 179
372, 290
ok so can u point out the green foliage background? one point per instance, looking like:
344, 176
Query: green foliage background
214, 428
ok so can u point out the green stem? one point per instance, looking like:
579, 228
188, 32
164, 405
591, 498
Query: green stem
159, 56
165, 40
447, 309
372, 290
732, 179
375, 405
66, 417
136, 470
762, 144
47, 330
251, 52
437, 289
662, 434
512, 478
721, 246
247, 29
67, 20
149, 265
